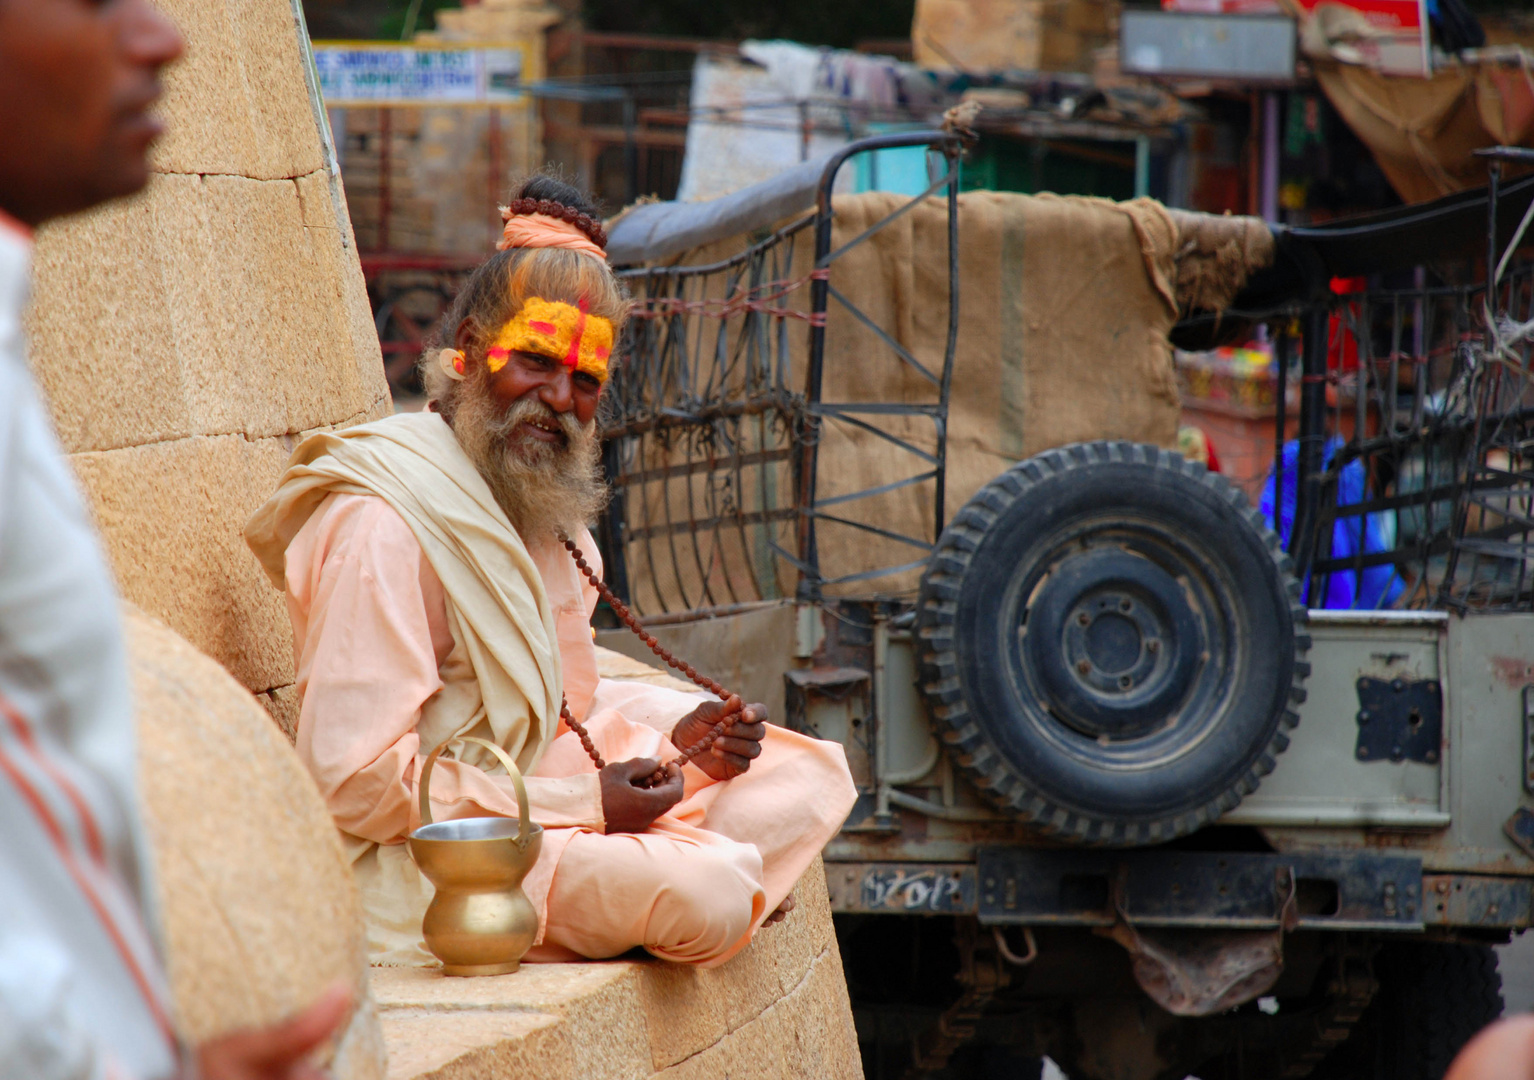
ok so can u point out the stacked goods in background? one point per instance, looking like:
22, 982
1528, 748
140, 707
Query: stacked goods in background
1231, 395
1236, 377
493, 20
1012, 35
428, 179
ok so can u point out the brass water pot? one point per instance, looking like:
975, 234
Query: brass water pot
480, 922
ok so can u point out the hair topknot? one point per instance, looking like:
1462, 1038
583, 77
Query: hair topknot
552, 197
552, 188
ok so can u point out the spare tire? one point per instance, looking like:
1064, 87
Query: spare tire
1111, 643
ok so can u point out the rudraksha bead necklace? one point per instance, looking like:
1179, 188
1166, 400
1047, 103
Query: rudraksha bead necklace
622, 611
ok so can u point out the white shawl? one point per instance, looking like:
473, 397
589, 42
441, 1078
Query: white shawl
495, 597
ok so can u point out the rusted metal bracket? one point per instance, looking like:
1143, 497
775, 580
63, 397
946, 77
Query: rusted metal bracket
1364, 890
1477, 900
1520, 830
1399, 720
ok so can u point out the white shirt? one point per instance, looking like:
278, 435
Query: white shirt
82, 990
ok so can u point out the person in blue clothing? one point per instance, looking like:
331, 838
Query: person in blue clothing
1368, 588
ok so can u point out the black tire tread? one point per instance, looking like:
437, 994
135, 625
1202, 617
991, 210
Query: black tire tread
1433, 998
939, 665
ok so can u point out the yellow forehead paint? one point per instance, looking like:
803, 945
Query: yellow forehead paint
563, 332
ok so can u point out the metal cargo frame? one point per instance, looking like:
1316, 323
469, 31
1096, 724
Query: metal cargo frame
1416, 391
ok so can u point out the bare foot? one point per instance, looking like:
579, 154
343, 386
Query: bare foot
781, 912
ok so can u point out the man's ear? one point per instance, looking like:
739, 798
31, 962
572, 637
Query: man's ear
464, 336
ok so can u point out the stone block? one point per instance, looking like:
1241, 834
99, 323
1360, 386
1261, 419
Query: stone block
281, 703
478, 1045
99, 327
806, 1033
814, 898
171, 516
601, 1026
689, 1008
238, 103
276, 358
257, 902
541, 988
327, 223
212, 306
384, 407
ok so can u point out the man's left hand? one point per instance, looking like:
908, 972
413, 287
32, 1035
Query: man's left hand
734, 750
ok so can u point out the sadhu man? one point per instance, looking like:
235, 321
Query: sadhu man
431, 597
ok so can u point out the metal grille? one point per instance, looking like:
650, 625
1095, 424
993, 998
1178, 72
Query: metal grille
1417, 406
703, 432
1410, 485
713, 420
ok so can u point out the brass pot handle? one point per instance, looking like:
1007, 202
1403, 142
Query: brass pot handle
524, 818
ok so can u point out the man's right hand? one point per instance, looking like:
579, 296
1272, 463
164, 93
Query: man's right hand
626, 806
279, 1052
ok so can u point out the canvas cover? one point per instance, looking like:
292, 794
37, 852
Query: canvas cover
1065, 308
1423, 132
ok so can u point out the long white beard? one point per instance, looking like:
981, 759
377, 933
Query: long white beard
544, 489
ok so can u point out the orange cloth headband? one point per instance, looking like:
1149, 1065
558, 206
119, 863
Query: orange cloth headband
542, 231
580, 341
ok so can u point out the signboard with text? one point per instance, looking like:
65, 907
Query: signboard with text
366, 74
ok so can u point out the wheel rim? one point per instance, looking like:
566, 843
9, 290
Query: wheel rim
1113, 642
1122, 648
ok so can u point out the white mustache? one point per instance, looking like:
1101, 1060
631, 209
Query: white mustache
532, 411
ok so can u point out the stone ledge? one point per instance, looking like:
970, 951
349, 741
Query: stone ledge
808, 1033
779, 1009
451, 1046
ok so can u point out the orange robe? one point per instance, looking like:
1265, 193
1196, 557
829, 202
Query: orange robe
374, 643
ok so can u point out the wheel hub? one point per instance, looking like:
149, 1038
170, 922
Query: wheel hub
1113, 644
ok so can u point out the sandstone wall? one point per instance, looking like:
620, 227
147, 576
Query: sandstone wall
188, 337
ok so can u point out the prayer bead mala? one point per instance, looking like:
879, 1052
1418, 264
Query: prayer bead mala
622, 611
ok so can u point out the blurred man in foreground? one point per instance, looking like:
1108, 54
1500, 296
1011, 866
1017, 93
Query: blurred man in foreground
82, 987
1502, 1051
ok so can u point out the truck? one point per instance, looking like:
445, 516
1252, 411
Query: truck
1152, 782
